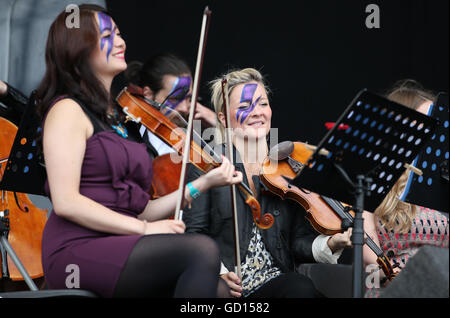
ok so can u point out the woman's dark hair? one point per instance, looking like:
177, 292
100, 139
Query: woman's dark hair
151, 72
68, 71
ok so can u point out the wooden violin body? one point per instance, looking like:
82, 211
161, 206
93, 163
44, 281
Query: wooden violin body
322, 217
166, 175
26, 221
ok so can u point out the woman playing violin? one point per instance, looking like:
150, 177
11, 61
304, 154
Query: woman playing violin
269, 257
397, 226
167, 79
103, 222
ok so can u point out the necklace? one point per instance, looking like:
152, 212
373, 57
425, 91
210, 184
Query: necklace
122, 131
118, 128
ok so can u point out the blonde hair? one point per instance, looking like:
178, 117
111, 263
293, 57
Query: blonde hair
233, 78
393, 213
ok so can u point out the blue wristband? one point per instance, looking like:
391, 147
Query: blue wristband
193, 191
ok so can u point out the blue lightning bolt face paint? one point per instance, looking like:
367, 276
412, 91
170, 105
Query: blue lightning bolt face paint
179, 91
105, 24
247, 97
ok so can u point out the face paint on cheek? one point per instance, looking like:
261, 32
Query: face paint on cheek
247, 97
180, 88
105, 23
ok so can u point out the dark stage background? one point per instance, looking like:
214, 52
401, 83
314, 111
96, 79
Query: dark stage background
316, 54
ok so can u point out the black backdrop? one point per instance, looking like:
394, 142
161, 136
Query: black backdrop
316, 54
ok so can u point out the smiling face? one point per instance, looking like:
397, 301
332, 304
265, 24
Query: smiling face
250, 112
108, 59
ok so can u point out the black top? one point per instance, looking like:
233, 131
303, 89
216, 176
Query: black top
289, 240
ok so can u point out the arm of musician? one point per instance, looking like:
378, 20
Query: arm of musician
15, 102
12, 96
304, 236
3, 88
233, 282
197, 217
369, 257
370, 227
164, 207
311, 247
66, 130
328, 249
206, 115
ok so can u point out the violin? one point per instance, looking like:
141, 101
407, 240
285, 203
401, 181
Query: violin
165, 175
325, 214
25, 221
143, 111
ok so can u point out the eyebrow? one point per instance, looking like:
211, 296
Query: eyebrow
109, 29
258, 99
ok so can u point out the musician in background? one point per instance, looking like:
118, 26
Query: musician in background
15, 102
104, 224
268, 257
401, 228
167, 79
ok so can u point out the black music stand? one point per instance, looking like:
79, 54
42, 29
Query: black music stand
25, 170
431, 189
359, 164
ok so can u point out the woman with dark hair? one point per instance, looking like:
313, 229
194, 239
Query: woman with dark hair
104, 233
397, 226
167, 79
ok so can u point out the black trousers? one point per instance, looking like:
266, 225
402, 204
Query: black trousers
287, 285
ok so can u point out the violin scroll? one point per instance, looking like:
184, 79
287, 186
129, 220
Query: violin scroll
266, 222
387, 268
263, 221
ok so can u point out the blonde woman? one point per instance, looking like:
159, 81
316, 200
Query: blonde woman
268, 257
398, 227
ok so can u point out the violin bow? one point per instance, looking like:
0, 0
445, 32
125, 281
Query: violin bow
229, 143
187, 143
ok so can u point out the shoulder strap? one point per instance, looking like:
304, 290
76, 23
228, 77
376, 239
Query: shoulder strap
96, 122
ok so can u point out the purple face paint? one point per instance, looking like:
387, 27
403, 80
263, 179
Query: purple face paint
247, 97
105, 23
179, 91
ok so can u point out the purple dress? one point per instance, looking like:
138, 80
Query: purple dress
116, 173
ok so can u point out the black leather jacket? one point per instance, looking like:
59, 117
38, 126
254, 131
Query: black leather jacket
289, 240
